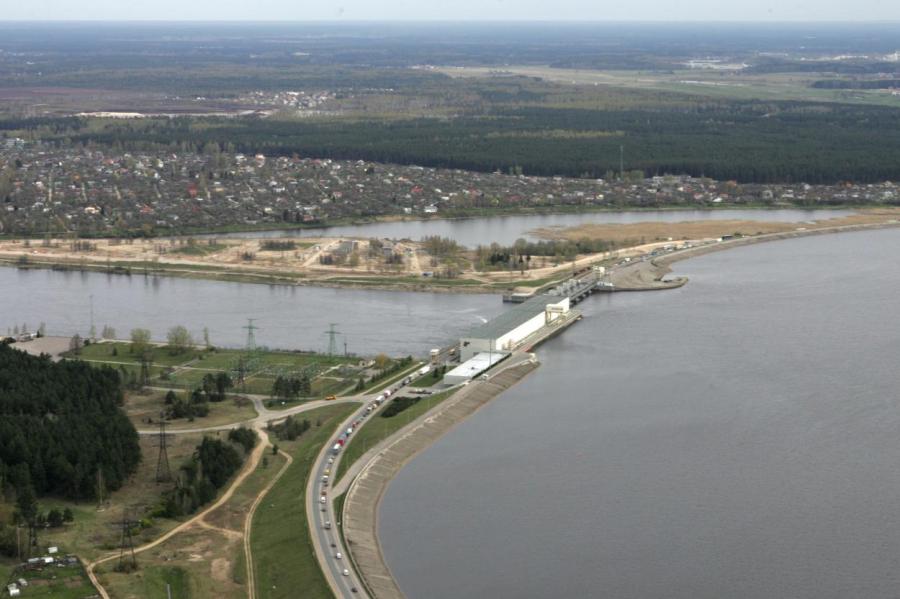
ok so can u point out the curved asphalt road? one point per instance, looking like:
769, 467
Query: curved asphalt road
328, 542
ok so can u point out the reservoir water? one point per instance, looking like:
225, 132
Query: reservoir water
395, 323
737, 437
504, 230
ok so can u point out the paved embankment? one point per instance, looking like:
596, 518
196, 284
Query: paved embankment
360, 517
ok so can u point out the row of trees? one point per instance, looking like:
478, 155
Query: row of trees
291, 387
179, 340
519, 255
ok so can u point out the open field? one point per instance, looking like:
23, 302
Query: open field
204, 561
286, 565
144, 406
186, 370
94, 531
724, 84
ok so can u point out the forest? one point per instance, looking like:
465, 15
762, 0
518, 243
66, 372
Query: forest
747, 141
60, 423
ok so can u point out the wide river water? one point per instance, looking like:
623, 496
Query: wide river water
737, 437
288, 317
396, 323
504, 230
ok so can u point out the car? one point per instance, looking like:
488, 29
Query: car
353, 590
331, 460
333, 545
327, 525
322, 499
331, 398
338, 555
346, 572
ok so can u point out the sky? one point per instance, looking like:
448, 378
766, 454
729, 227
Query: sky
454, 10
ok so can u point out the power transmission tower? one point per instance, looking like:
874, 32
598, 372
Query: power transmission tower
622, 163
251, 335
127, 543
32, 539
332, 338
163, 474
101, 489
346, 354
93, 332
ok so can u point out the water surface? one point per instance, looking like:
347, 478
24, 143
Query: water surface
737, 437
505, 230
288, 317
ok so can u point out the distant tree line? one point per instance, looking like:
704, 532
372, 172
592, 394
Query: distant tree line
742, 140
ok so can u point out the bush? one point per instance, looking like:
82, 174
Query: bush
398, 405
244, 437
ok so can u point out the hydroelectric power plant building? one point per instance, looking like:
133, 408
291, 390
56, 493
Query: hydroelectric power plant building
508, 330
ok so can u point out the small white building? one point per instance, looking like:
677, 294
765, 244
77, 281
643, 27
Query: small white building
471, 368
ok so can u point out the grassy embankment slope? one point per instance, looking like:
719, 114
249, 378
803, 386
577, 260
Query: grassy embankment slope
286, 564
376, 429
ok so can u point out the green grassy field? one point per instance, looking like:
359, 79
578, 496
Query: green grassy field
68, 582
286, 565
377, 429
426, 380
141, 406
189, 367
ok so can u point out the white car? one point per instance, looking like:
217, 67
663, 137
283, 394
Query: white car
338, 555
322, 499
346, 572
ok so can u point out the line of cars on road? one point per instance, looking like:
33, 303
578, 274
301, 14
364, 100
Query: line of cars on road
339, 444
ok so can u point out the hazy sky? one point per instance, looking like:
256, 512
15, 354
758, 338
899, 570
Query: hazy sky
590, 10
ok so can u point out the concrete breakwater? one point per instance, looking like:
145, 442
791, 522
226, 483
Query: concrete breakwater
360, 516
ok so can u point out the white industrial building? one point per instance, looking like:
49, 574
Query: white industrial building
505, 332
472, 367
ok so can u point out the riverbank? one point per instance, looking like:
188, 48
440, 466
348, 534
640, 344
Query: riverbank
455, 216
647, 275
382, 262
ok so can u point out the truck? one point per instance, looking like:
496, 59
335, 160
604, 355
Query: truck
435, 355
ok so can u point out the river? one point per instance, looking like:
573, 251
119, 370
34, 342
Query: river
471, 232
396, 323
737, 437
288, 317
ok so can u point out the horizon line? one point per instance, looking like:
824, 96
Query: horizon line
573, 21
